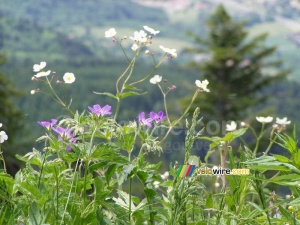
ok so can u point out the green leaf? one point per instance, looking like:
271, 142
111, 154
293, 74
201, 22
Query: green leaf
150, 193
107, 94
126, 171
129, 93
142, 175
289, 177
97, 166
230, 136
130, 87
34, 214
68, 156
286, 213
281, 158
110, 172
209, 202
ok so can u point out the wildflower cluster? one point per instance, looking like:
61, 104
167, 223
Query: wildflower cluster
91, 164
153, 117
279, 124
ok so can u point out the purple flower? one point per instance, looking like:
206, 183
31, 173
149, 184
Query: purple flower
96, 109
46, 124
144, 121
65, 134
157, 117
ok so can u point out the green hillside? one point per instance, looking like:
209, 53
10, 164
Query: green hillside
69, 36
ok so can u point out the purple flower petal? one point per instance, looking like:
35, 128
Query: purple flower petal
157, 117
46, 124
96, 109
144, 121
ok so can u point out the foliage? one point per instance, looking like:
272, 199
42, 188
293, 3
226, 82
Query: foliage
238, 67
10, 114
87, 169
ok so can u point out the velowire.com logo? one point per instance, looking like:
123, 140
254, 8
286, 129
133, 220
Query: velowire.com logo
187, 171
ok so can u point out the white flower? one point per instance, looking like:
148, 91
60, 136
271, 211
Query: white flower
231, 126
172, 52
217, 184
32, 92
147, 52
156, 184
282, 121
3, 136
165, 176
156, 79
134, 47
39, 67
69, 78
261, 119
139, 36
43, 74
151, 30
243, 124
110, 33
0, 124
202, 85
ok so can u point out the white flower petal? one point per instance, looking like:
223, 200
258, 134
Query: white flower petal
282, 121
231, 127
110, 33
156, 79
43, 74
171, 52
39, 67
261, 119
134, 47
69, 78
3, 136
151, 30
202, 85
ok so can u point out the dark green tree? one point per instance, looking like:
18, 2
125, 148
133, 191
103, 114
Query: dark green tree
12, 121
237, 67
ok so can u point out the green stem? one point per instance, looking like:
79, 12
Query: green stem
272, 141
40, 176
224, 150
124, 52
130, 192
69, 195
149, 74
56, 178
180, 118
123, 74
258, 139
58, 98
117, 108
165, 104
4, 166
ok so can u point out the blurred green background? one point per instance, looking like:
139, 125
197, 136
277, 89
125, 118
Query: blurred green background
69, 36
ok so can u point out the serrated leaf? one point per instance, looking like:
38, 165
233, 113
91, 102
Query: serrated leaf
209, 202
150, 193
110, 172
142, 175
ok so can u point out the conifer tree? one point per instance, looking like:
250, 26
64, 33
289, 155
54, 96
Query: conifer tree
237, 67
12, 121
